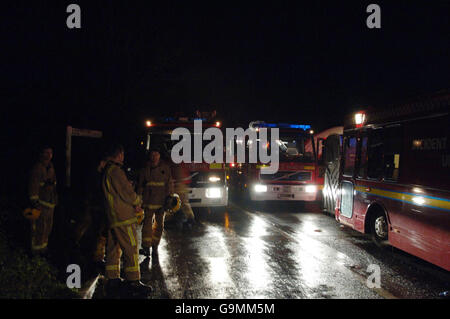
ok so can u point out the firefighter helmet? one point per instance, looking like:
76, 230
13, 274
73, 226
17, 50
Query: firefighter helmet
31, 213
173, 203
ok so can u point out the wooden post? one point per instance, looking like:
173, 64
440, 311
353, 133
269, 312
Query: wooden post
68, 154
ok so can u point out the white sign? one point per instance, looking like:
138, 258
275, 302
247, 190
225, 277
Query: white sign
88, 133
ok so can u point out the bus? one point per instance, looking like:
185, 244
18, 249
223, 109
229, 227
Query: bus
329, 145
395, 178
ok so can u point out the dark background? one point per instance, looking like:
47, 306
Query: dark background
303, 62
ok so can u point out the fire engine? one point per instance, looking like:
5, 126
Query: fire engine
296, 178
394, 177
206, 183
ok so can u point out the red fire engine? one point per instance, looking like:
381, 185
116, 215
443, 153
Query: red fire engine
296, 178
206, 182
394, 178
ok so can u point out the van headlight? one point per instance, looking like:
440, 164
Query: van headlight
214, 179
259, 188
213, 192
311, 188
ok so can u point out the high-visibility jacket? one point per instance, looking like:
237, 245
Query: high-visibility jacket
120, 196
42, 186
155, 184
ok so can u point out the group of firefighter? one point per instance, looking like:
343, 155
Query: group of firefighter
115, 206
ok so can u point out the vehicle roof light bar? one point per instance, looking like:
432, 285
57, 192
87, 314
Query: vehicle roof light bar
259, 124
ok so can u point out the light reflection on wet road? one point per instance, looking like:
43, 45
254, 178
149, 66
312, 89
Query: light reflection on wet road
281, 251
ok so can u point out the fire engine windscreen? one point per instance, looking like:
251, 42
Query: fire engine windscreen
292, 148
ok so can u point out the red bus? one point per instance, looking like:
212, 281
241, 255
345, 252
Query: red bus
395, 178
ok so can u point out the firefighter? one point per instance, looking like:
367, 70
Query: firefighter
43, 196
154, 184
122, 206
181, 178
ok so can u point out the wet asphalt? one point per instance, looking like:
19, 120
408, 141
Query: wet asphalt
282, 251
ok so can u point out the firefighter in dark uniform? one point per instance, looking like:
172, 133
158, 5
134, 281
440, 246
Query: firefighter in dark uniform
43, 196
122, 207
155, 185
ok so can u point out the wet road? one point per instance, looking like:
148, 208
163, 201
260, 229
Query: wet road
282, 251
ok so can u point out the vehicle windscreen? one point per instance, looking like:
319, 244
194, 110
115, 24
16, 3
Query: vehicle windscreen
292, 148
164, 141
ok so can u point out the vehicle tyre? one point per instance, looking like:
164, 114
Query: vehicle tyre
379, 229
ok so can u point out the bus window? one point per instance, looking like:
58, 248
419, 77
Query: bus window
349, 156
375, 154
362, 170
392, 148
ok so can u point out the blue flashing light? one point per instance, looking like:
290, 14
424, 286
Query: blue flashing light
284, 125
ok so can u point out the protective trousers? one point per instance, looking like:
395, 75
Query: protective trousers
41, 229
122, 239
186, 207
152, 228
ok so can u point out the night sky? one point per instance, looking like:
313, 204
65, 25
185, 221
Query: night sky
281, 61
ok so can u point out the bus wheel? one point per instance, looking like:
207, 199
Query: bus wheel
379, 229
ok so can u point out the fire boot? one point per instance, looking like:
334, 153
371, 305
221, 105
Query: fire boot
145, 251
136, 288
112, 288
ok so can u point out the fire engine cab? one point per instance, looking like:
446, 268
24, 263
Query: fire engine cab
206, 183
296, 178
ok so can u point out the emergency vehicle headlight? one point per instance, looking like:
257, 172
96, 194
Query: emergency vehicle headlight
360, 118
214, 179
213, 192
310, 188
260, 188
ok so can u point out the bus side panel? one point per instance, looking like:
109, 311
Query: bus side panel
360, 205
426, 223
419, 230
431, 243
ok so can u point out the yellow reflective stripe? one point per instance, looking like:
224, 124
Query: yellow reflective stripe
130, 234
136, 264
152, 206
113, 267
138, 200
37, 247
427, 201
215, 165
155, 183
261, 166
125, 222
47, 204
308, 167
34, 197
